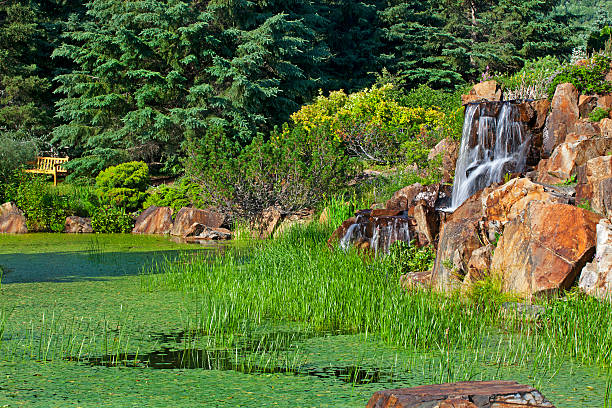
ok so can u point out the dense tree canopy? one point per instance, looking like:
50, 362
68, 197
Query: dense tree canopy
132, 80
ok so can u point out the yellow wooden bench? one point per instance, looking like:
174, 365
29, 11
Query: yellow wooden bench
49, 165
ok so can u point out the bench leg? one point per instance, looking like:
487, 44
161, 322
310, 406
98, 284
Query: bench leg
55, 177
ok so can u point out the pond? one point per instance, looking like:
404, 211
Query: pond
79, 328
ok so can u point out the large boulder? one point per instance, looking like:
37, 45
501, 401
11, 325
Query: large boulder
408, 197
186, 217
484, 91
265, 224
563, 117
567, 157
459, 238
508, 201
544, 248
154, 220
586, 104
594, 185
78, 225
605, 127
596, 277
601, 201
12, 220
468, 394
448, 149
479, 264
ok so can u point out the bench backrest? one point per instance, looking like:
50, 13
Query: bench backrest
48, 163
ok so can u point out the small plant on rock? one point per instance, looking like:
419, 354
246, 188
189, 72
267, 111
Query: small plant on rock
598, 114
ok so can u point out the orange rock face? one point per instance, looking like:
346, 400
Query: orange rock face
567, 157
508, 201
186, 217
563, 118
12, 220
484, 91
544, 248
154, 220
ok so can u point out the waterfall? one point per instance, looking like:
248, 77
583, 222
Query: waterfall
378, 233
493, 143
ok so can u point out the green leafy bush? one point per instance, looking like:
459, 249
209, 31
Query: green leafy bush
292, 170
588, 76
124, 185
532, 81
45, 210
82, 199
405, 257
14, 153
109, 219
598, 114
176, 196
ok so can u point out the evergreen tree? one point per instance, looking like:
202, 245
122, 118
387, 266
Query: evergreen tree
25, 110
418, 47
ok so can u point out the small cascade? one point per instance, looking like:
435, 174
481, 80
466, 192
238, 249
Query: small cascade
376, 230
494, 143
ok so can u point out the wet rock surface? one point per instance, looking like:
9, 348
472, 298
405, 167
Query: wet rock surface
479, 394
154, 220
12, 220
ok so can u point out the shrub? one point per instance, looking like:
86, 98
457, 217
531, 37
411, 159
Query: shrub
109, 219
14, 154
404, 257
176, 196
45, 210
532, 81
292, 170
124, 185
588, 76
598, 114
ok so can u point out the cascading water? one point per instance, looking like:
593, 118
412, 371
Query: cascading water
378, 233
493, 143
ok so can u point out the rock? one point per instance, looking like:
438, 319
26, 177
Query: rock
605, 125
416, 280
601, 201
541, 108
324, 218
300, 218
596, 277
186, 217
568, 156
586, 129
154, 220
403, 198
468, 394
459, 237
563, 117
544, 248
484, 91
605, 101
215, 234
12, 220
427, 224
508, 201
479, 264
591, 185
265, 224
449, 149
78, 225
586, 104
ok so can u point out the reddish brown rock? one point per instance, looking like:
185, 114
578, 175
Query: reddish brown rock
12, 220
484, 91
186, 217
468, 394
340, 232
586, 104
427, 224
591, 186
541, 108
200, 232
479, 264
605, 102
596, 277
416, 280
78, 225
587, 129
601, 201
459, 237
567, 157
265, 224
562, 118
506, 202
605, 125
154, 220
449, 150
290, 221
544, 248
402, 199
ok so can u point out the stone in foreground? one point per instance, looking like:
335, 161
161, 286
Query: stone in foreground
469, 394
154, 220
186, 217
12, 220
78, 225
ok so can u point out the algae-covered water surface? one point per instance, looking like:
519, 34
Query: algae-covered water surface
82, 325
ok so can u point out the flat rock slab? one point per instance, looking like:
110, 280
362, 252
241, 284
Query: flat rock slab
469, 394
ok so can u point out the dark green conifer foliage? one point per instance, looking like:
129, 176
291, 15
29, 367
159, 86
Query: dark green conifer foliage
418, 46
25, 108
